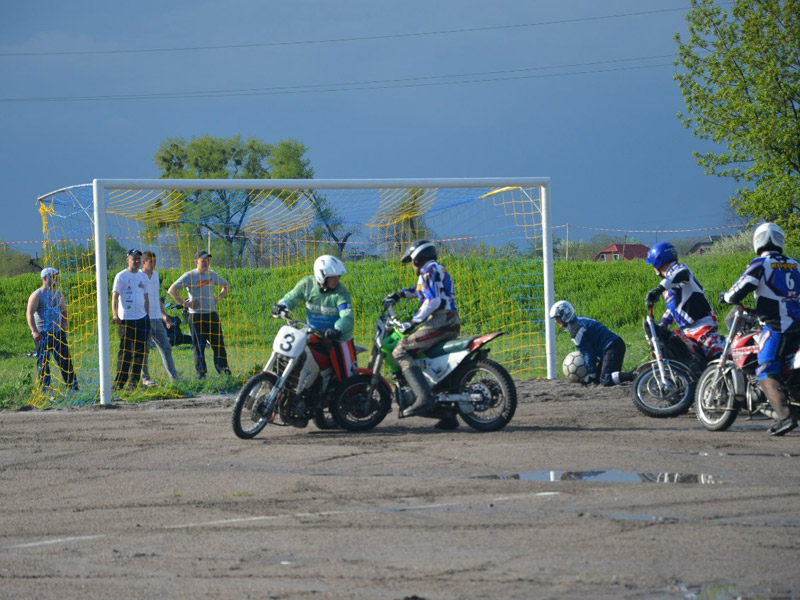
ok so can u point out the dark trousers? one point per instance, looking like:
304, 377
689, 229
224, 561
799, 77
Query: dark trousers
57, 344
132, 346
206, 328
612, 359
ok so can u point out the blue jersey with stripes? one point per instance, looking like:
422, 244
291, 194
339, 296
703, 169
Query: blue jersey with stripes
774, 280
686, 302
434, 291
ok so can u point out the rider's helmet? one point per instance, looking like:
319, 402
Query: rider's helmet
327, 266
420, 252
661, 254
768, 236
563, 311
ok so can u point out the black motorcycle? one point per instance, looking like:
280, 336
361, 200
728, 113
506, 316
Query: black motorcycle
174, 334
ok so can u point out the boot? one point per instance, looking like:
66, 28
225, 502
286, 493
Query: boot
776, 396
622, 377
416, 381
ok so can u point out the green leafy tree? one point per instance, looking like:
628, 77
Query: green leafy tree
13, 262
740, 79
222, 213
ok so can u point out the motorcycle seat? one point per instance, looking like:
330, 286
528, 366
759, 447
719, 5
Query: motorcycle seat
449, 347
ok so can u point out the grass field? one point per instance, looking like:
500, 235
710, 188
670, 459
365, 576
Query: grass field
610, 292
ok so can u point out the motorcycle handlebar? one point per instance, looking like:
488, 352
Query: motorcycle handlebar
287, 316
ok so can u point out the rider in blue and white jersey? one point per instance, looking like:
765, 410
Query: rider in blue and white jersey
686, 302
435, 321
774, 280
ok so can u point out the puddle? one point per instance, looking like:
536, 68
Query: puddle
610, 477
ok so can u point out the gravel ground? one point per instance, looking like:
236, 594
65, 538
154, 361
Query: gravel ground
579, 497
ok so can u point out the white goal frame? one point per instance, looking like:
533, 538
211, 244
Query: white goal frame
99, 187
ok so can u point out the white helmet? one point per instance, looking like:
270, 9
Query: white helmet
768, 236
327, 266
563, 311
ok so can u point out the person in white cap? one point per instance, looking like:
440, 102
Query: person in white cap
47, 319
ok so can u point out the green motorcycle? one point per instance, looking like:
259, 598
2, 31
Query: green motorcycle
464, 381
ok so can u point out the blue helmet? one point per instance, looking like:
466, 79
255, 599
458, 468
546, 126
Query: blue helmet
661, 254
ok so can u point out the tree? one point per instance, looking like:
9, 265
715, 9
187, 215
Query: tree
740, 79
224, 213
14, 262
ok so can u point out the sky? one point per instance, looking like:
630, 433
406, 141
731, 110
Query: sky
580, 91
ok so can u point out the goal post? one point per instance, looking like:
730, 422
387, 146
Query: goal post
494, 236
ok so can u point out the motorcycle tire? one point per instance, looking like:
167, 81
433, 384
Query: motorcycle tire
353, 409
715, 404
495, 385
249, 416
651, 401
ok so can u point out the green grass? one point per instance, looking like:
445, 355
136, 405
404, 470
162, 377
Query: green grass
494, 294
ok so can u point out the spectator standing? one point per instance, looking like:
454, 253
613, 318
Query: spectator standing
204, 320
129, 309
159, 321
47, 318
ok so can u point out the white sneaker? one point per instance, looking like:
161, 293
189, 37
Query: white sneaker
148, 383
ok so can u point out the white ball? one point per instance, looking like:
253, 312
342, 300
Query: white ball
574, 367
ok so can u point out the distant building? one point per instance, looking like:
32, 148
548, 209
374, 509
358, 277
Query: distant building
703, 245
622, 252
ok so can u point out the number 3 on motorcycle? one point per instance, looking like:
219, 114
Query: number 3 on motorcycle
289, 341
286, 345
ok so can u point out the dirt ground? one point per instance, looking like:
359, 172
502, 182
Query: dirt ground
579, 497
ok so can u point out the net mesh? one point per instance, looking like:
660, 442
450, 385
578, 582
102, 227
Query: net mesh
262, 241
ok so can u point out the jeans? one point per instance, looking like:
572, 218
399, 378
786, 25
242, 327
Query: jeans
158, 338
55, 342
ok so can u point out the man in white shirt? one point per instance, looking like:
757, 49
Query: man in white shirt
159, 321
129, 308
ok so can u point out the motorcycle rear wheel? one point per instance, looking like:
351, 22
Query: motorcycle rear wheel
249, 414
650, 400
492, 382
715, 404
354, 409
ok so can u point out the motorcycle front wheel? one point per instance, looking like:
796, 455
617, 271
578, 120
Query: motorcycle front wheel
715, 403
250, 415
494, 392
354, 408
661, 402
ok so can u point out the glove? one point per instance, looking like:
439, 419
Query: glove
391, 300
332, 334
722, 298
404, 326
653, 296
279, 310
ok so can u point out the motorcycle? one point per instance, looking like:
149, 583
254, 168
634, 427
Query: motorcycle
729, 385
463, 379
174, 334
291, 389
664, 386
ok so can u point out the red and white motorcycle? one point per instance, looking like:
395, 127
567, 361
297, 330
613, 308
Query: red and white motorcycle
729, 386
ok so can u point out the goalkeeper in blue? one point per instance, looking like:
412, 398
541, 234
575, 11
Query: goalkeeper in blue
603, 350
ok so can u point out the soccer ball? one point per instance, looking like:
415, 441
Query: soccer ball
574, 367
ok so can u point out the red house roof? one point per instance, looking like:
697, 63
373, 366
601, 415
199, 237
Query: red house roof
632, 252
